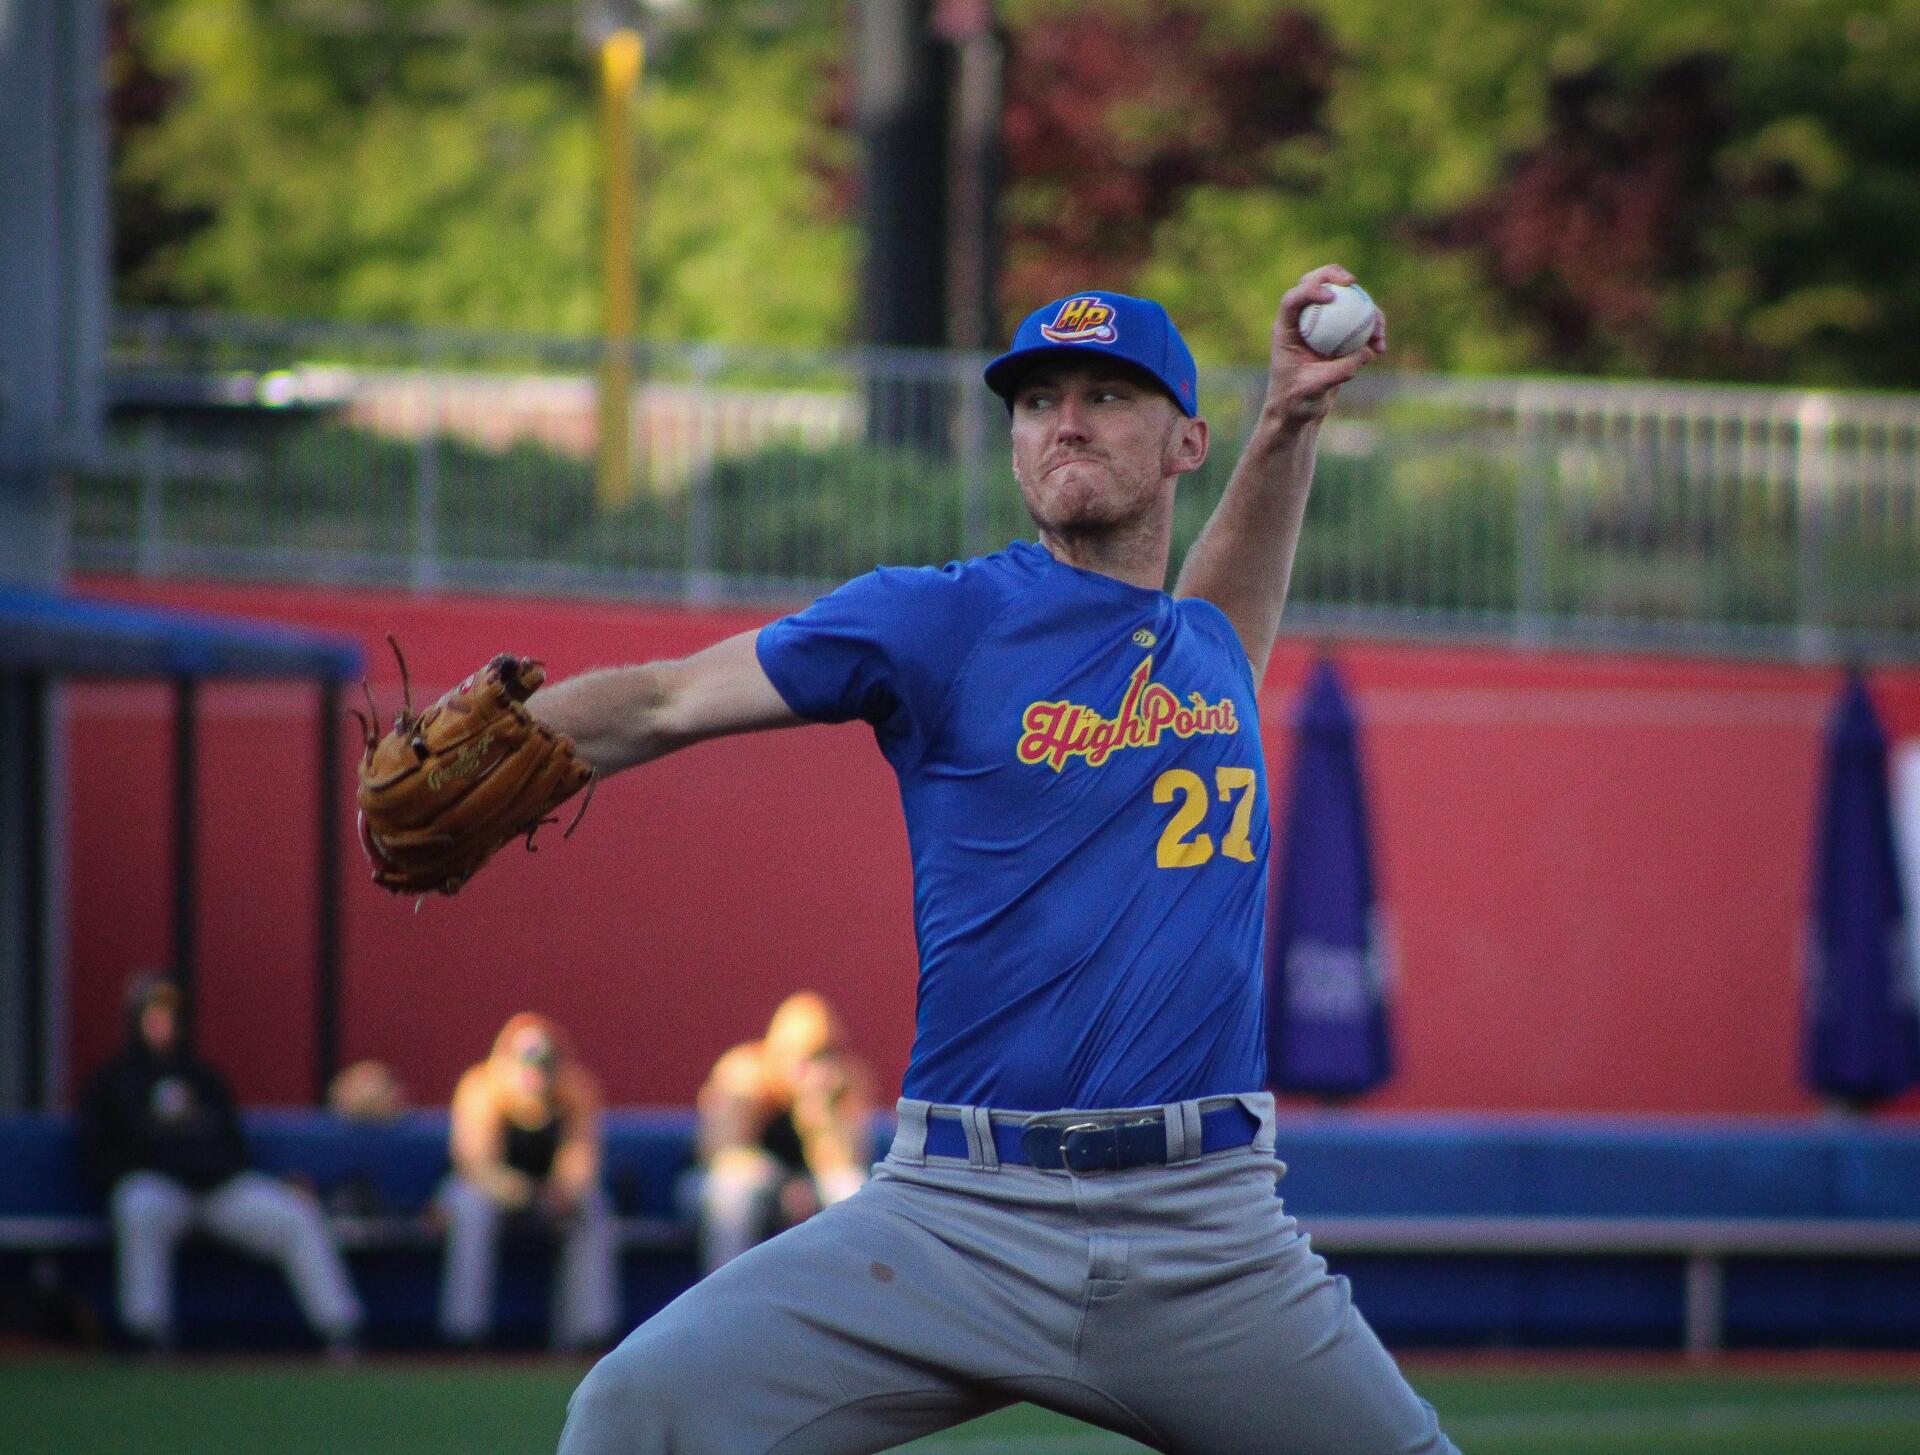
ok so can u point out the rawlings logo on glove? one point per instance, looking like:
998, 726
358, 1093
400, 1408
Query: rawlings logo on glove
463, 766
442, 792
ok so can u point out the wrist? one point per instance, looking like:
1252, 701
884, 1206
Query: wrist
1279, 430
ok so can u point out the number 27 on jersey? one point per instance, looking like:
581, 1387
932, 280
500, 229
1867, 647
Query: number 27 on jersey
1181, 847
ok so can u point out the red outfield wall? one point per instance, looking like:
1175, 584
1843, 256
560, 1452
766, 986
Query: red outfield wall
1596, 867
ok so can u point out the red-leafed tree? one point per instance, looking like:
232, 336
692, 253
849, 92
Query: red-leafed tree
1112, 114
1587, 231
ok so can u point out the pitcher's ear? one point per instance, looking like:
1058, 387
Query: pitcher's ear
1188, 445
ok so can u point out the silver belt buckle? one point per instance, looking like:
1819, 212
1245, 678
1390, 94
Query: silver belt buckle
1112, 1129
1040, 1133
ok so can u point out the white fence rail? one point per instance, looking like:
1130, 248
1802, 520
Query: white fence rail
1730, 519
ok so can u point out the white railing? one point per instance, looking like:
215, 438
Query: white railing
1543, 510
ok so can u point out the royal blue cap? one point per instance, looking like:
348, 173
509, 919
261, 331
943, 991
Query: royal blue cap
1106, 325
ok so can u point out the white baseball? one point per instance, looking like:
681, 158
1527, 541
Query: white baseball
1333, 330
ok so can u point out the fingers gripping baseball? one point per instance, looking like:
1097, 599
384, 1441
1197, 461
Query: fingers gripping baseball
442, 791
1303, 382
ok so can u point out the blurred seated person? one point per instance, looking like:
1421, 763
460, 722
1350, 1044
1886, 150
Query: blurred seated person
366, 1092
162, 1139
783, 1130
526, 1150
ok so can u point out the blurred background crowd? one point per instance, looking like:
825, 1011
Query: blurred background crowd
783, 1129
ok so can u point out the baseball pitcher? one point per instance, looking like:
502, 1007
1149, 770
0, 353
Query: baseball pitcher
1078, 1208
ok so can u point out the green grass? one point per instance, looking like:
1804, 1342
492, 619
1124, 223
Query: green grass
404, 1407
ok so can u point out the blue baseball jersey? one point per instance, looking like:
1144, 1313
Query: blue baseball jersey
1080, 767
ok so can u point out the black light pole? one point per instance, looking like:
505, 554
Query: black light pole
902, 74
974, 170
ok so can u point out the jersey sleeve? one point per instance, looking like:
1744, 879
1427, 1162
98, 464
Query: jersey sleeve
1215, 622
883, 648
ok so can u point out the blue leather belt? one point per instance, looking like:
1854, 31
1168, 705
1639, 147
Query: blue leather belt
1094, 1145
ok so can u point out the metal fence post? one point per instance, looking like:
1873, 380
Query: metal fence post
1530, 521
1813, 502
702, 585
425, 573
1706, 1297
973, 450
150, 521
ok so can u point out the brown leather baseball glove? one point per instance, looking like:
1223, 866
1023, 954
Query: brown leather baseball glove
441, 792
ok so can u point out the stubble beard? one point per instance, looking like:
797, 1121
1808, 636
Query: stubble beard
1085, 527
1108, 514
1087, 508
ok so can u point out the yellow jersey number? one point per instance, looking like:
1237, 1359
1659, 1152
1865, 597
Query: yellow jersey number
1182, 848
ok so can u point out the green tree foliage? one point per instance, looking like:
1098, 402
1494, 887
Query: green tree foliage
417, 161
1712, 189
1709, 189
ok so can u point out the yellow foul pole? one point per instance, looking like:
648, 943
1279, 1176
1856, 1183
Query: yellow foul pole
622, 56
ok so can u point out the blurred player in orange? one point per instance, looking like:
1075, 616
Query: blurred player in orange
526, 1147
783, 1129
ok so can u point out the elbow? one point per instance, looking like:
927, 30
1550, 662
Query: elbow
666, 722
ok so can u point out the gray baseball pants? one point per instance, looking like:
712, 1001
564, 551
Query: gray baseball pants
586, 1293
1178, 1305
152, 1213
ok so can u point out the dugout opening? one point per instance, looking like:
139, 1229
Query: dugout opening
49, 637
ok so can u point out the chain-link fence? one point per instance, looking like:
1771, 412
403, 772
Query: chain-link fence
1741, 519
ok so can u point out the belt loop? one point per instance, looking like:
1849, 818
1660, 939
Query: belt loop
1184, 1133
1260, 1105
989, 1149
910, 1140
981, 1153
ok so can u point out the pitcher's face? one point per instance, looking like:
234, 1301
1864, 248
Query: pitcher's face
1095, 445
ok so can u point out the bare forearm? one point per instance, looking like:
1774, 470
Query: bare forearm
508, 1186
616, 716
1243, 559
621, 716
576, 1166
477, 1147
